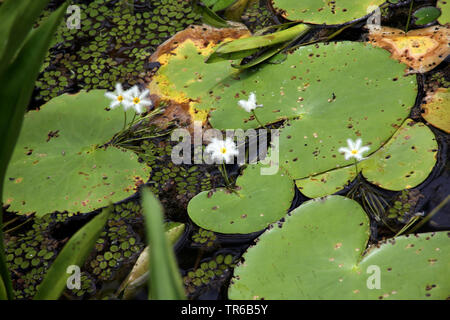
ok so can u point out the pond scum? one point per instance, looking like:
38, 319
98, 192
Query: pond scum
122, 43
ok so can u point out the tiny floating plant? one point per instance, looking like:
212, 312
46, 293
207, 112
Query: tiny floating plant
250, 106
222, 151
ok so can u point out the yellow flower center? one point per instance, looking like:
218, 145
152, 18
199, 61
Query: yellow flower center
354, 151
136, 100
120, 98
223, 150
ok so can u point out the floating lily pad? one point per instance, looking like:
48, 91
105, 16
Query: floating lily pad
312, 81
437, 109
60, 162
403, 163
257, 201
422, 49
325, 12
444, 5
319, 253
426, 15
326, 183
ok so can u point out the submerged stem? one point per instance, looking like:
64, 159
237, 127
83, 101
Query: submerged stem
257, 120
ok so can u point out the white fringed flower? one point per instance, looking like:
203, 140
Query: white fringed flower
354, 150
118, 97
137, 100
250, 104
222, 150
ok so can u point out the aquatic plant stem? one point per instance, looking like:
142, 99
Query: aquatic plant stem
225, 174
124, 120
257, 120
409, 16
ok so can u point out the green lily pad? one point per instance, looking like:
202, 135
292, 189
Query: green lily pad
326, 183
325, 12
444, 5
426, 15
403, 163
257, 201
312, 81
59, 163
320, 253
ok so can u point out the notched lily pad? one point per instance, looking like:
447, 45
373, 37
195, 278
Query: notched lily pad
325, 12
422, 49
319, 253
436, 110
257, 201
60, 162
403, 162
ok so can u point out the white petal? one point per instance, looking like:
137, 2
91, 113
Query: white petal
350, 144
111, 95
133, 92
364, 149
139, 108
252, 98
358, 144
343, 149
114, 104
119, 89
127, 105
146, 103
144, 94
348, 155
245, 105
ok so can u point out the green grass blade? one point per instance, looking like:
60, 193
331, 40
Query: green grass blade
74, 252
139, 275
3, 293
165, 279
16, 90
208, 16
254, 43
16, 20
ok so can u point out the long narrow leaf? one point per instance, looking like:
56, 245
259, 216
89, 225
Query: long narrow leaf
3, 293
16, 20
165, 281
75, 253
208, 16
17, 82
258, 42
139, 275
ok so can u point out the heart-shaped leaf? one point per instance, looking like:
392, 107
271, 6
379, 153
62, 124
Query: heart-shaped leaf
319, 252
60, 157
257, 201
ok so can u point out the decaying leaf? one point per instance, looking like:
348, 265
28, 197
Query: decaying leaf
205, 38
436, 110
422, 49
